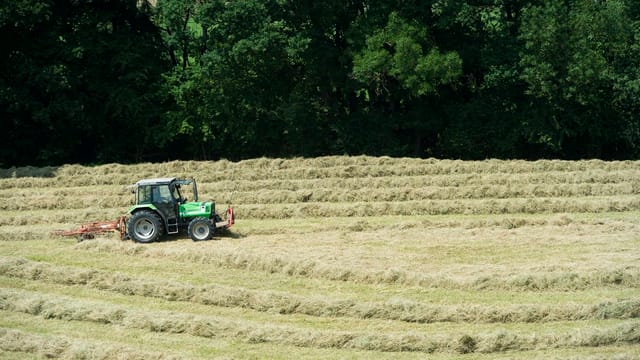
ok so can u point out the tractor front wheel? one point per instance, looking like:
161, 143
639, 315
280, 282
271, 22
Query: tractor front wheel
145, 226
201, 229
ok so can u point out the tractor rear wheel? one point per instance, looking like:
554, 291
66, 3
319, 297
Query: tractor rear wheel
145, 226
201, 229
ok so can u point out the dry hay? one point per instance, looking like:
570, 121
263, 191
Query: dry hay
343, 186
561, 280
343, 219
70, 309
15, 341
285, 303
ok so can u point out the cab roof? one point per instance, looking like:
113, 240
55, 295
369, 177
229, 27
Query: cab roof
155, 181
161, 181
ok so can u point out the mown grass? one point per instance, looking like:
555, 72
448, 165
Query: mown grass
393, 308
489, 338
83, 335
336, 257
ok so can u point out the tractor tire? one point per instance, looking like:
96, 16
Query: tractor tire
145, 226
201, 229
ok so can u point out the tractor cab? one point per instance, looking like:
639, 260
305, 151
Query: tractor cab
162, 206
164, 190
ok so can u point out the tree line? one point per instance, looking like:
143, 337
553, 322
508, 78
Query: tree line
95, 81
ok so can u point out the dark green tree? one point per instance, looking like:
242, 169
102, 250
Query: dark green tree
402, 70
579, 63
121, 80
79, 81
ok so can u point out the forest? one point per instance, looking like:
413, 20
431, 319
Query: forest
100, 81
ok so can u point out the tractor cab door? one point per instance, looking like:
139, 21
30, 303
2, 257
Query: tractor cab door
164, 200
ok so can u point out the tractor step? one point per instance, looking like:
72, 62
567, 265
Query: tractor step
172, 226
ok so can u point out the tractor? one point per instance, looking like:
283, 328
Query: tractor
160, 207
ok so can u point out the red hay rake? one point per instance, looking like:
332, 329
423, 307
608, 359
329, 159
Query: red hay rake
90, 230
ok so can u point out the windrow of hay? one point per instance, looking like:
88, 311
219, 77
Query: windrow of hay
24, 233
398, 223
345, 167
513, 207
21, 202
383, 182
237, 182
556, 280
53, 202
366, 194
433, 166
14, 224
285, 303
49, 347
470, 169
59, 216
64, 308
57, 191
440, 207
28, 171
533, 182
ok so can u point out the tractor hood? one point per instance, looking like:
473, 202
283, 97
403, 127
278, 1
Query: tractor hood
196, 208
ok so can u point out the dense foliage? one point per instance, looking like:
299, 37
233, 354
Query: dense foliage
125, 80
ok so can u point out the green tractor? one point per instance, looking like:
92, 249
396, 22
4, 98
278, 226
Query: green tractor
161, 208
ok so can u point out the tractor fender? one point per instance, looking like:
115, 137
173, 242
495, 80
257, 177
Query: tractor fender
136, 208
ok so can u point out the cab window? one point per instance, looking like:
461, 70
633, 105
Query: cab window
176, 193
144, 195
162, 194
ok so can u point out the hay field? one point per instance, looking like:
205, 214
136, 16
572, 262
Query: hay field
333, 257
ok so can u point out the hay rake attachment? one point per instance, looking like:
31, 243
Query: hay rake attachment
90, 230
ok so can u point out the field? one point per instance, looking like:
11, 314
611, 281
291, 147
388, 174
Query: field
333, 257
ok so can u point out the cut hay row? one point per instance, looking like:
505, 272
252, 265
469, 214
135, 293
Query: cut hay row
493, 186
117, 183
564, 280
70, 309
350, 172
59, 216
303, 210
23, 233
393, 224
513, 166
296, 169
62, 191
17, 227
369, 194
285, 303
52, 347
408, 208
440, 207
53, 202
334, 195
551, 178
434, 166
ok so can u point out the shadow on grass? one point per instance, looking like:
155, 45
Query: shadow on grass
220, 234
